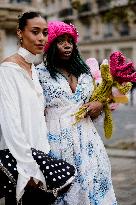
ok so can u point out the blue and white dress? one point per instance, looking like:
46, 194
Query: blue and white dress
78, 144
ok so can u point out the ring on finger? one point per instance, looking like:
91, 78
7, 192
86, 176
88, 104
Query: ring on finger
87, 110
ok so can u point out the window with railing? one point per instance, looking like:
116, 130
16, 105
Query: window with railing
97, 53
87, 32
107, 53
108, 30
85, 7
124, 29
20, 1
66, 12
102, 3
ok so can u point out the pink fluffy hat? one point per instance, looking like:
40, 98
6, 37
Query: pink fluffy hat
58, 28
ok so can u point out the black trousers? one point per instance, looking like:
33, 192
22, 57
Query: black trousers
31, 196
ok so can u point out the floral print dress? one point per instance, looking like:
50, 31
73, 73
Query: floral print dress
78, 144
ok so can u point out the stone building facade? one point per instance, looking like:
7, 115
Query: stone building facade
97, 37
9, 11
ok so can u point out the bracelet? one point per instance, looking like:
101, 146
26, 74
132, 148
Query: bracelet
101, 112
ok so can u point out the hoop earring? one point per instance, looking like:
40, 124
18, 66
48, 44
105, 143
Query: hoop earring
21, 40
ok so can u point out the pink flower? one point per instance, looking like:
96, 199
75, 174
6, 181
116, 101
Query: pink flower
120, 69
94, 69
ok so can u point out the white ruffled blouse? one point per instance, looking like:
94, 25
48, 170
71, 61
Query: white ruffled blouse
22, 120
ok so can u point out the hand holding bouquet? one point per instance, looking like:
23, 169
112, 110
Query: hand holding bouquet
117, 74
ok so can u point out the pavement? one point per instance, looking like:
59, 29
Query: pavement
122, 153
123, 166
121, 149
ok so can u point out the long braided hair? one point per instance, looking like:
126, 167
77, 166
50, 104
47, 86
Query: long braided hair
75, 64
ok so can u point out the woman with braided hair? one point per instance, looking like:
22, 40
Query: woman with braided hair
67, 85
